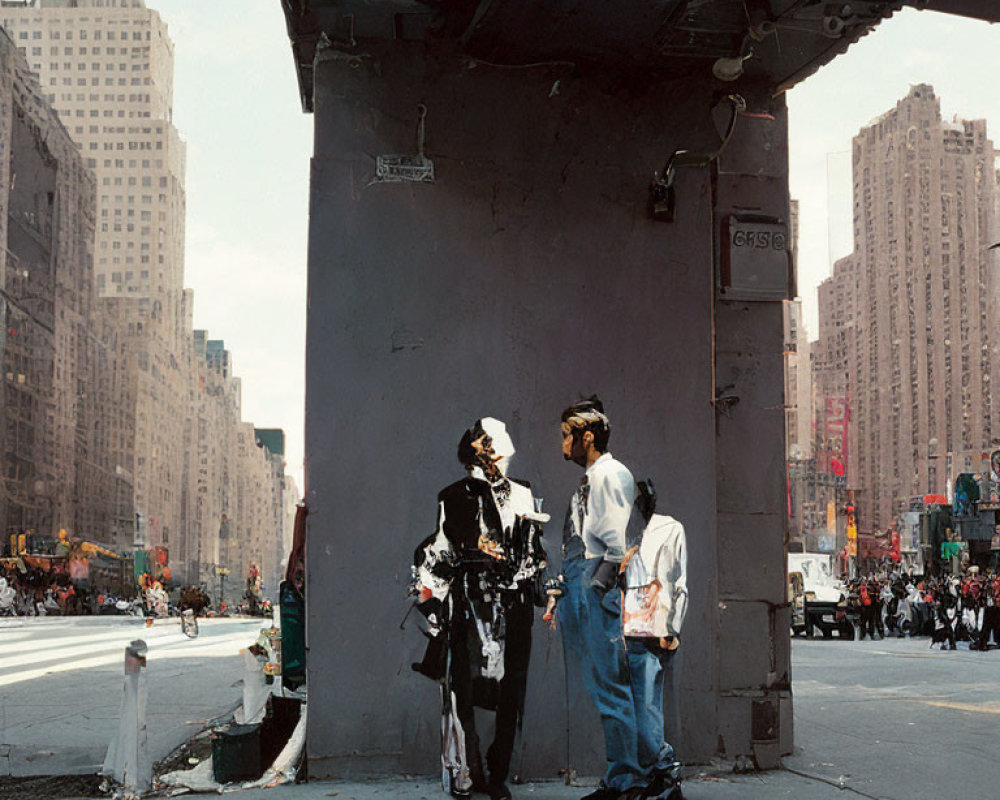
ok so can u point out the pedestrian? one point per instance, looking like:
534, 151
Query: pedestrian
478, 578
868, 609
944, 615
590, 613
991, 613
656, 599
7, 599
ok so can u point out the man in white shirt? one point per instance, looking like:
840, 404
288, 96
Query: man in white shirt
590, 613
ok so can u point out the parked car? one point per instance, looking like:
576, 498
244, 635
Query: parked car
818, 599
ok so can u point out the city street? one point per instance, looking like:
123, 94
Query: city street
888, 719
895, 719
61, 685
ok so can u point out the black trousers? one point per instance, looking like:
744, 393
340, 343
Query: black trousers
991, 625
506, 698
868, 621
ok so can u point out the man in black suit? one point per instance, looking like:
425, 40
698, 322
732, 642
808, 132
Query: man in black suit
477, 579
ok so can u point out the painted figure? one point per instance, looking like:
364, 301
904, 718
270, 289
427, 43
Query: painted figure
590, 612
477, 579
656, 600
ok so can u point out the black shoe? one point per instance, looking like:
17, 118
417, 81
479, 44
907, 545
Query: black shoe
498, 791
665, 783
457, 792
603, 793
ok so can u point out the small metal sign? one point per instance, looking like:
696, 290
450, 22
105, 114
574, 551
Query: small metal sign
755, 259
398, 169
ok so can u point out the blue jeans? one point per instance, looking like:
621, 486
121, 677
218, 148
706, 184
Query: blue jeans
592, 637
649, 665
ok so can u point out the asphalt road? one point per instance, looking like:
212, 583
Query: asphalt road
891, 720
895, 719
61, 685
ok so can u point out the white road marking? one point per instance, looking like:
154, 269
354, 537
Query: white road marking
51, 656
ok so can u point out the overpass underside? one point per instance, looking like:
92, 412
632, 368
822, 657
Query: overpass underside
513, 204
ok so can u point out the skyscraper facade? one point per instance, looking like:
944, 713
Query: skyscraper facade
107, 67
127, 427
908, 322
63, 399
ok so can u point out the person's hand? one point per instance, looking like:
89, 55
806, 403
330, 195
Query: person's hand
670, 643
550, 609
605, 577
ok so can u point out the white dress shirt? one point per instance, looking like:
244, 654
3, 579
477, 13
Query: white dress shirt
601, 507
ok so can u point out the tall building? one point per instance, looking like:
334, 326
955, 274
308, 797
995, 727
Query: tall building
908, 321
798, 409
831, 402
107, 67
63, 402
271, 442
798, 380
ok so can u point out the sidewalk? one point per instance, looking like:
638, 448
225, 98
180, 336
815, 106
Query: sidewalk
759, 786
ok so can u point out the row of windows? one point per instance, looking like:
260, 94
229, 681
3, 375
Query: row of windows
119, 163
93, 81
94, 51
95, 66
68, 97
146, 181
98, 35
110, 113
117, 245
128, 262
146, 199
132, 145
116, 277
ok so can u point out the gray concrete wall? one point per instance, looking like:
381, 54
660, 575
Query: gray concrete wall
754, 620
527, 274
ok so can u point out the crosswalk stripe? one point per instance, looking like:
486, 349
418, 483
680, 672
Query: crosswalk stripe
227, 644
83, 644
25, 658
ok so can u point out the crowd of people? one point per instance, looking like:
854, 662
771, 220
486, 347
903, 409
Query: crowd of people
947, 608
35, 592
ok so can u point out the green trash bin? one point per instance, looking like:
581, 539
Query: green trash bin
293, 636
236, 753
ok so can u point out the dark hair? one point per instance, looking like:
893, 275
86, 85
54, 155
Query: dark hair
588, 415
466, 455
645, 499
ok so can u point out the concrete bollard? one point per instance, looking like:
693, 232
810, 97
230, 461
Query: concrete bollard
127, 761
255, 688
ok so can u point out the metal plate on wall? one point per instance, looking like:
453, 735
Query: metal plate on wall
756, 260
400, 169
764, 723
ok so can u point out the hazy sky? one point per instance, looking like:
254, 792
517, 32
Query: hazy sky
236, 104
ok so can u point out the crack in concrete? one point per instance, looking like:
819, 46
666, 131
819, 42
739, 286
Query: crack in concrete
833, 782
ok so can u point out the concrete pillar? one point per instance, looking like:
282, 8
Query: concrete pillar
527, 273
755, 719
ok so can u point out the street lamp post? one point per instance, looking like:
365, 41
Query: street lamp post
222, 572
